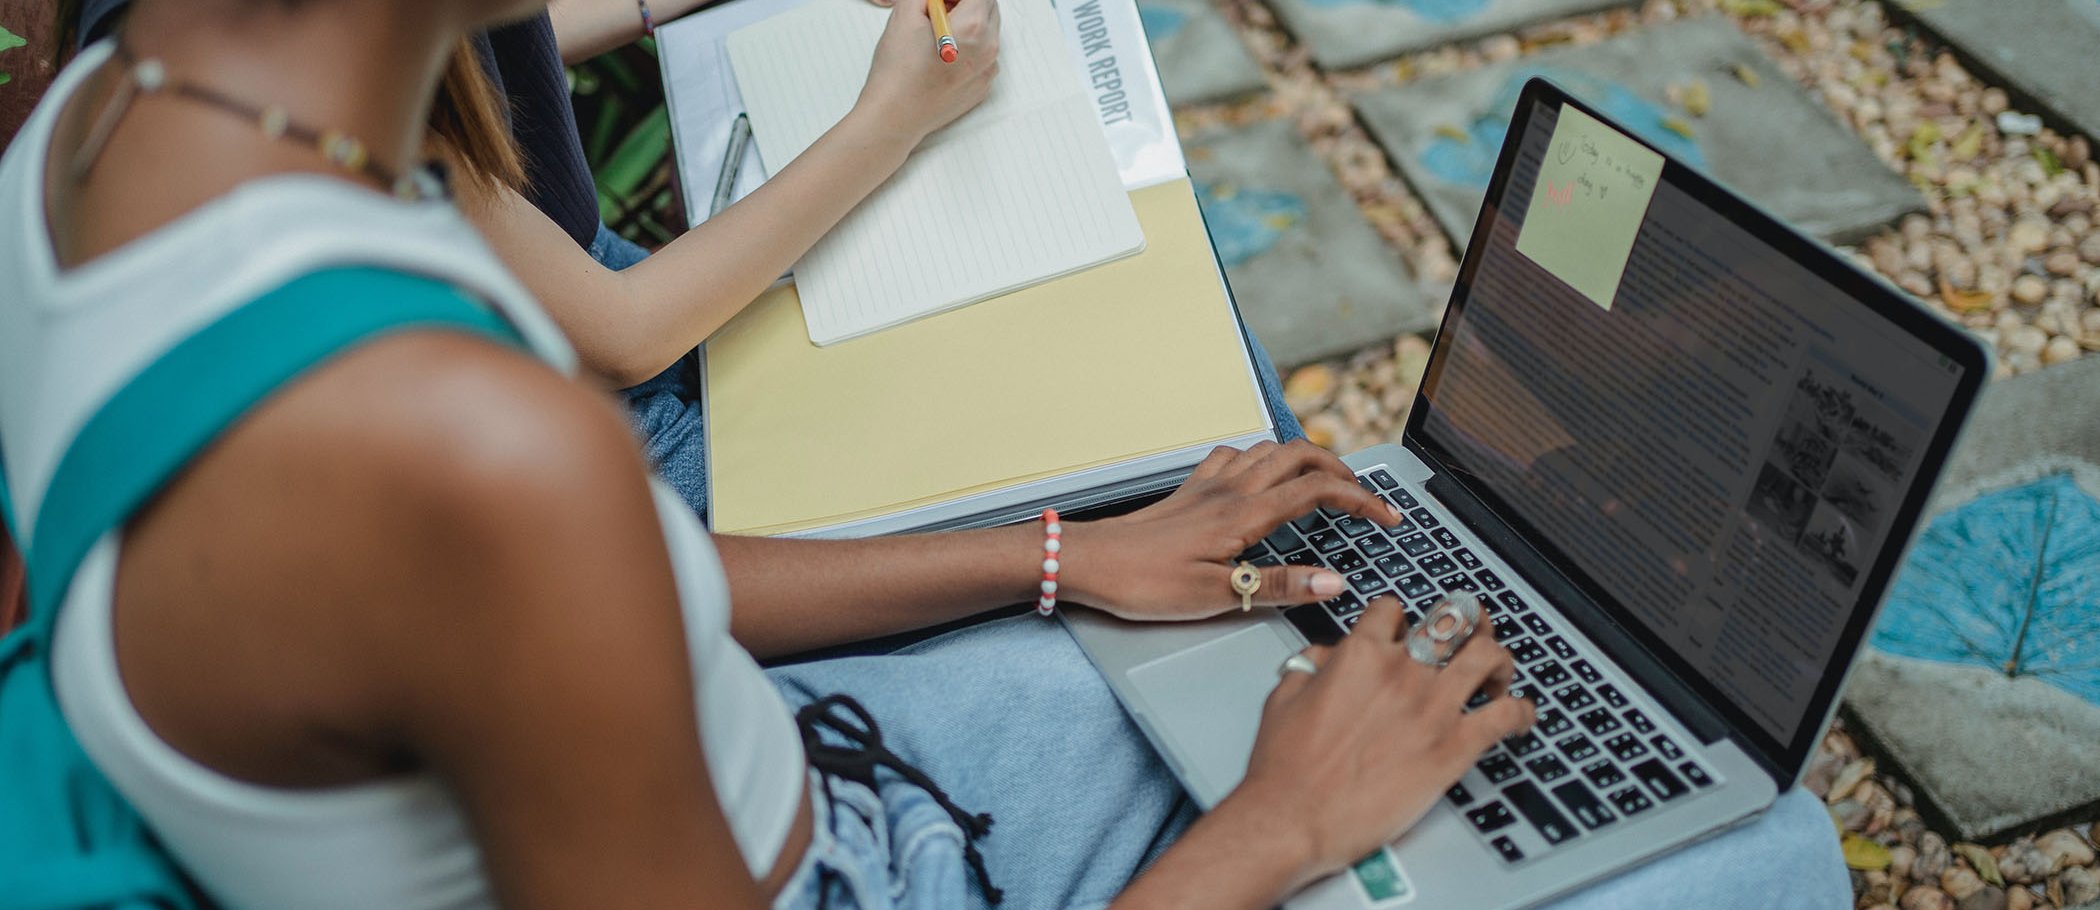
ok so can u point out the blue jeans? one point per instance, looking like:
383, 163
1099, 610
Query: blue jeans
1010, 719
665, 410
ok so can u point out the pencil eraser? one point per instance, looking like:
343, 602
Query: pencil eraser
948, 54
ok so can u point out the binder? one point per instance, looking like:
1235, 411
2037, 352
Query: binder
1106, 383
1101, 385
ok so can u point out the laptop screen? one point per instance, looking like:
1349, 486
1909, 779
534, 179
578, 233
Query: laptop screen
1715, 442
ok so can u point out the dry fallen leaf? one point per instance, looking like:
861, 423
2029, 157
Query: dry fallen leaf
1922, 138
1454, 133
1751, 8
1969, 144
1309, 385
1679, 127
1863, 854
1981, 860
1747, 75
1698, 98
1963, 301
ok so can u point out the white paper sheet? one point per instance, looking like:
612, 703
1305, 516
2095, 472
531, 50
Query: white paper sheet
701, 89
1019, 191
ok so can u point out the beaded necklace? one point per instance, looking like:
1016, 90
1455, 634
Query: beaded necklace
150, 76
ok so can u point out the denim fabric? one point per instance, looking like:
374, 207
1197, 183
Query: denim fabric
614, 251
665, 410
1010, 719
1287, 426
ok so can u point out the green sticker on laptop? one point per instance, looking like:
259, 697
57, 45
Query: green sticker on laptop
1591, 196
1380, 876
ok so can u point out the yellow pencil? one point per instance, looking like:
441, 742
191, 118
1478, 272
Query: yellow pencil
944, 38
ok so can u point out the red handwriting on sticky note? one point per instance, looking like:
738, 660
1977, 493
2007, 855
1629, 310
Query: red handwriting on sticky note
1592, 194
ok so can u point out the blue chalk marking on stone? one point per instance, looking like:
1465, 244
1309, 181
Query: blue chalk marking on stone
1963, 595
1160, 22
1442, 12
1245, 223
1471, 161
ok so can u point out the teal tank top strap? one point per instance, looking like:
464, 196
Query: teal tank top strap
71, 839
171, 410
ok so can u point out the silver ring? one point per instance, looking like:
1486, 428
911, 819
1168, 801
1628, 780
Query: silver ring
1298, 663
1437, 638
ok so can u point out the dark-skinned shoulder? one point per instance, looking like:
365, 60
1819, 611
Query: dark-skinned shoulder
364, 551
435, 554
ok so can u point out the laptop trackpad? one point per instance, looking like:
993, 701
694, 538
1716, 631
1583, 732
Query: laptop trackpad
1206, 703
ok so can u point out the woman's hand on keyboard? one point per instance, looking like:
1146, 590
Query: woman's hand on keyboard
1352, 756
1174, 559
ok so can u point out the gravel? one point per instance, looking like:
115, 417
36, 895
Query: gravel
2010, 246
2009, 249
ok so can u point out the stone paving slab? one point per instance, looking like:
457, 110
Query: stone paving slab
1201, 58
1346, 33
1771, 142
1311, 276
2048, 50
2007, 570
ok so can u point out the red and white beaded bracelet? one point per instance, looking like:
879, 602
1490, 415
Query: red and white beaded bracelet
1053, 544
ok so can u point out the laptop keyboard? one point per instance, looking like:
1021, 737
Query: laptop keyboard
1593, 758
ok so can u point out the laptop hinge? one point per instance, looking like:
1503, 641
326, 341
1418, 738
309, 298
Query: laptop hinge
1588, 616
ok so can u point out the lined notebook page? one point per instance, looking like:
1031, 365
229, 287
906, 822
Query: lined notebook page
1019, 191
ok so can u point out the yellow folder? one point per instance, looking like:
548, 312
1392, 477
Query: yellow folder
1126, 360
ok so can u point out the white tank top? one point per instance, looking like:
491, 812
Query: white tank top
69, 340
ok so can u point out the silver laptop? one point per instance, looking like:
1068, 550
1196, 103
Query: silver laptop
1677, 449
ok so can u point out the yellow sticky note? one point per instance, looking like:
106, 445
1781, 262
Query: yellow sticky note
1593, 190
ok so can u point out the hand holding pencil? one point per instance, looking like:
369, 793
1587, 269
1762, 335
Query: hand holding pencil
943, 36
917, 92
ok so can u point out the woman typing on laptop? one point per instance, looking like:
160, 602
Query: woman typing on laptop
409, 625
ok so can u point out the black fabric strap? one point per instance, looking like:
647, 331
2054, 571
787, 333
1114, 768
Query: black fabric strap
864, 754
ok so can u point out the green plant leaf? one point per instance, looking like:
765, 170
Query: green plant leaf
611, 109
9, 40
582, 81
5, 78
617, 71
2051, 165
645, 146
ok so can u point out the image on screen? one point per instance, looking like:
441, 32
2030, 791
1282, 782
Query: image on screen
1720, 450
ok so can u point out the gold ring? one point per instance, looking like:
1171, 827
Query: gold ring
1246, 579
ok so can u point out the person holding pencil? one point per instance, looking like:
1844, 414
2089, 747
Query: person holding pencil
636, 318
